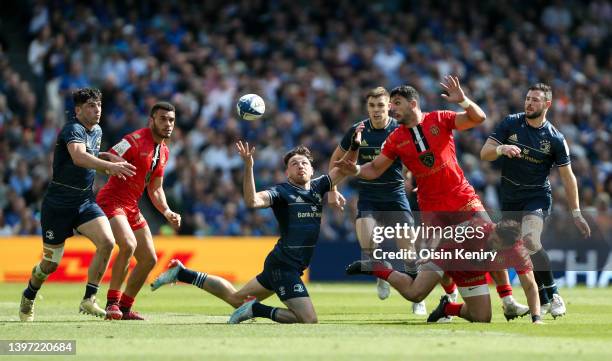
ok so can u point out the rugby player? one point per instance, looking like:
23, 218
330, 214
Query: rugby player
146, 149
424, 142
69, 203
382, 201
529, 146
297, 206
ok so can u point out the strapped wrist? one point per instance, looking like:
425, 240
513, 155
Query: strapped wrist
498, 150
576, 213
465, 103
358, 171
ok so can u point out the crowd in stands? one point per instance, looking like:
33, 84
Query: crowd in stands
312, 62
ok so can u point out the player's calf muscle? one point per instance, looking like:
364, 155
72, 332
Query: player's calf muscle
48, 267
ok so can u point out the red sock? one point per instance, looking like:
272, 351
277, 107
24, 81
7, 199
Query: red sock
112, 296
504, 290
452, 309
126, 302
382, 273
450, 288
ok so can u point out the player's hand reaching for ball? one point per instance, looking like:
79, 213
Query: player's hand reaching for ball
245, 152
121, 170
173, 218
510, 151
451, 86
356, 139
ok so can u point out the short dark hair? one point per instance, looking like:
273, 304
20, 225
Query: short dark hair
509, 231
377, 92
82, 96
405, 91
544, 88
161, 105
299, 150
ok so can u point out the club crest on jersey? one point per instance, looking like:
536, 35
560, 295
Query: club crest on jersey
545, 145
434, 130
427, 159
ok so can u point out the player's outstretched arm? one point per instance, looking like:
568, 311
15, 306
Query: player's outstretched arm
473, 114
571, 192
252, 198
334, 197
158, 198
492, 150
80, 157
108, 156
531, 292
370, 170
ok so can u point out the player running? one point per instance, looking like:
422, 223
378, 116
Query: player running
146, 149
424, 143
470, 276
297, 206
530, 146
382, 201
69, 202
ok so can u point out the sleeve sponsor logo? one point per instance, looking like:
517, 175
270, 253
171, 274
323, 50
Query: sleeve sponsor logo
122, 147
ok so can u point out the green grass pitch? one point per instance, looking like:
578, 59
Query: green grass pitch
187, 323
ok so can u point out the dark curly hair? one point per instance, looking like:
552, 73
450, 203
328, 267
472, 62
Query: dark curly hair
405, 91
509, 231
82, 96
299, 150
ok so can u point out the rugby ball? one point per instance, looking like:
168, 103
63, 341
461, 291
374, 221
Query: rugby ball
250, 107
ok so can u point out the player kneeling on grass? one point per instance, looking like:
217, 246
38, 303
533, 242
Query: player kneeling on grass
470, 278
297, 206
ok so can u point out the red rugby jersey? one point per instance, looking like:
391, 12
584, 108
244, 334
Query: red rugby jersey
149, 158
428, 151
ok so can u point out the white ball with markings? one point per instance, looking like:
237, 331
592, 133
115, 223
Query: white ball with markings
250, 107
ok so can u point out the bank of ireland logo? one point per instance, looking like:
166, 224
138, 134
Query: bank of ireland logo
298, 288
281, 290
427, 159
49, 234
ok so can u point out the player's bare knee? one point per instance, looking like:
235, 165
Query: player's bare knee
234, 300
309, 318
128, 246
412, 295
149, 260
481, 316
105, 245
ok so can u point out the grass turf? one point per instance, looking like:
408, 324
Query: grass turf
187, 323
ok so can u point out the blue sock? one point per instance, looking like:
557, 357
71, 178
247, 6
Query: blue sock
30, 291
261, 310
193, 277
552, 290
90, 290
